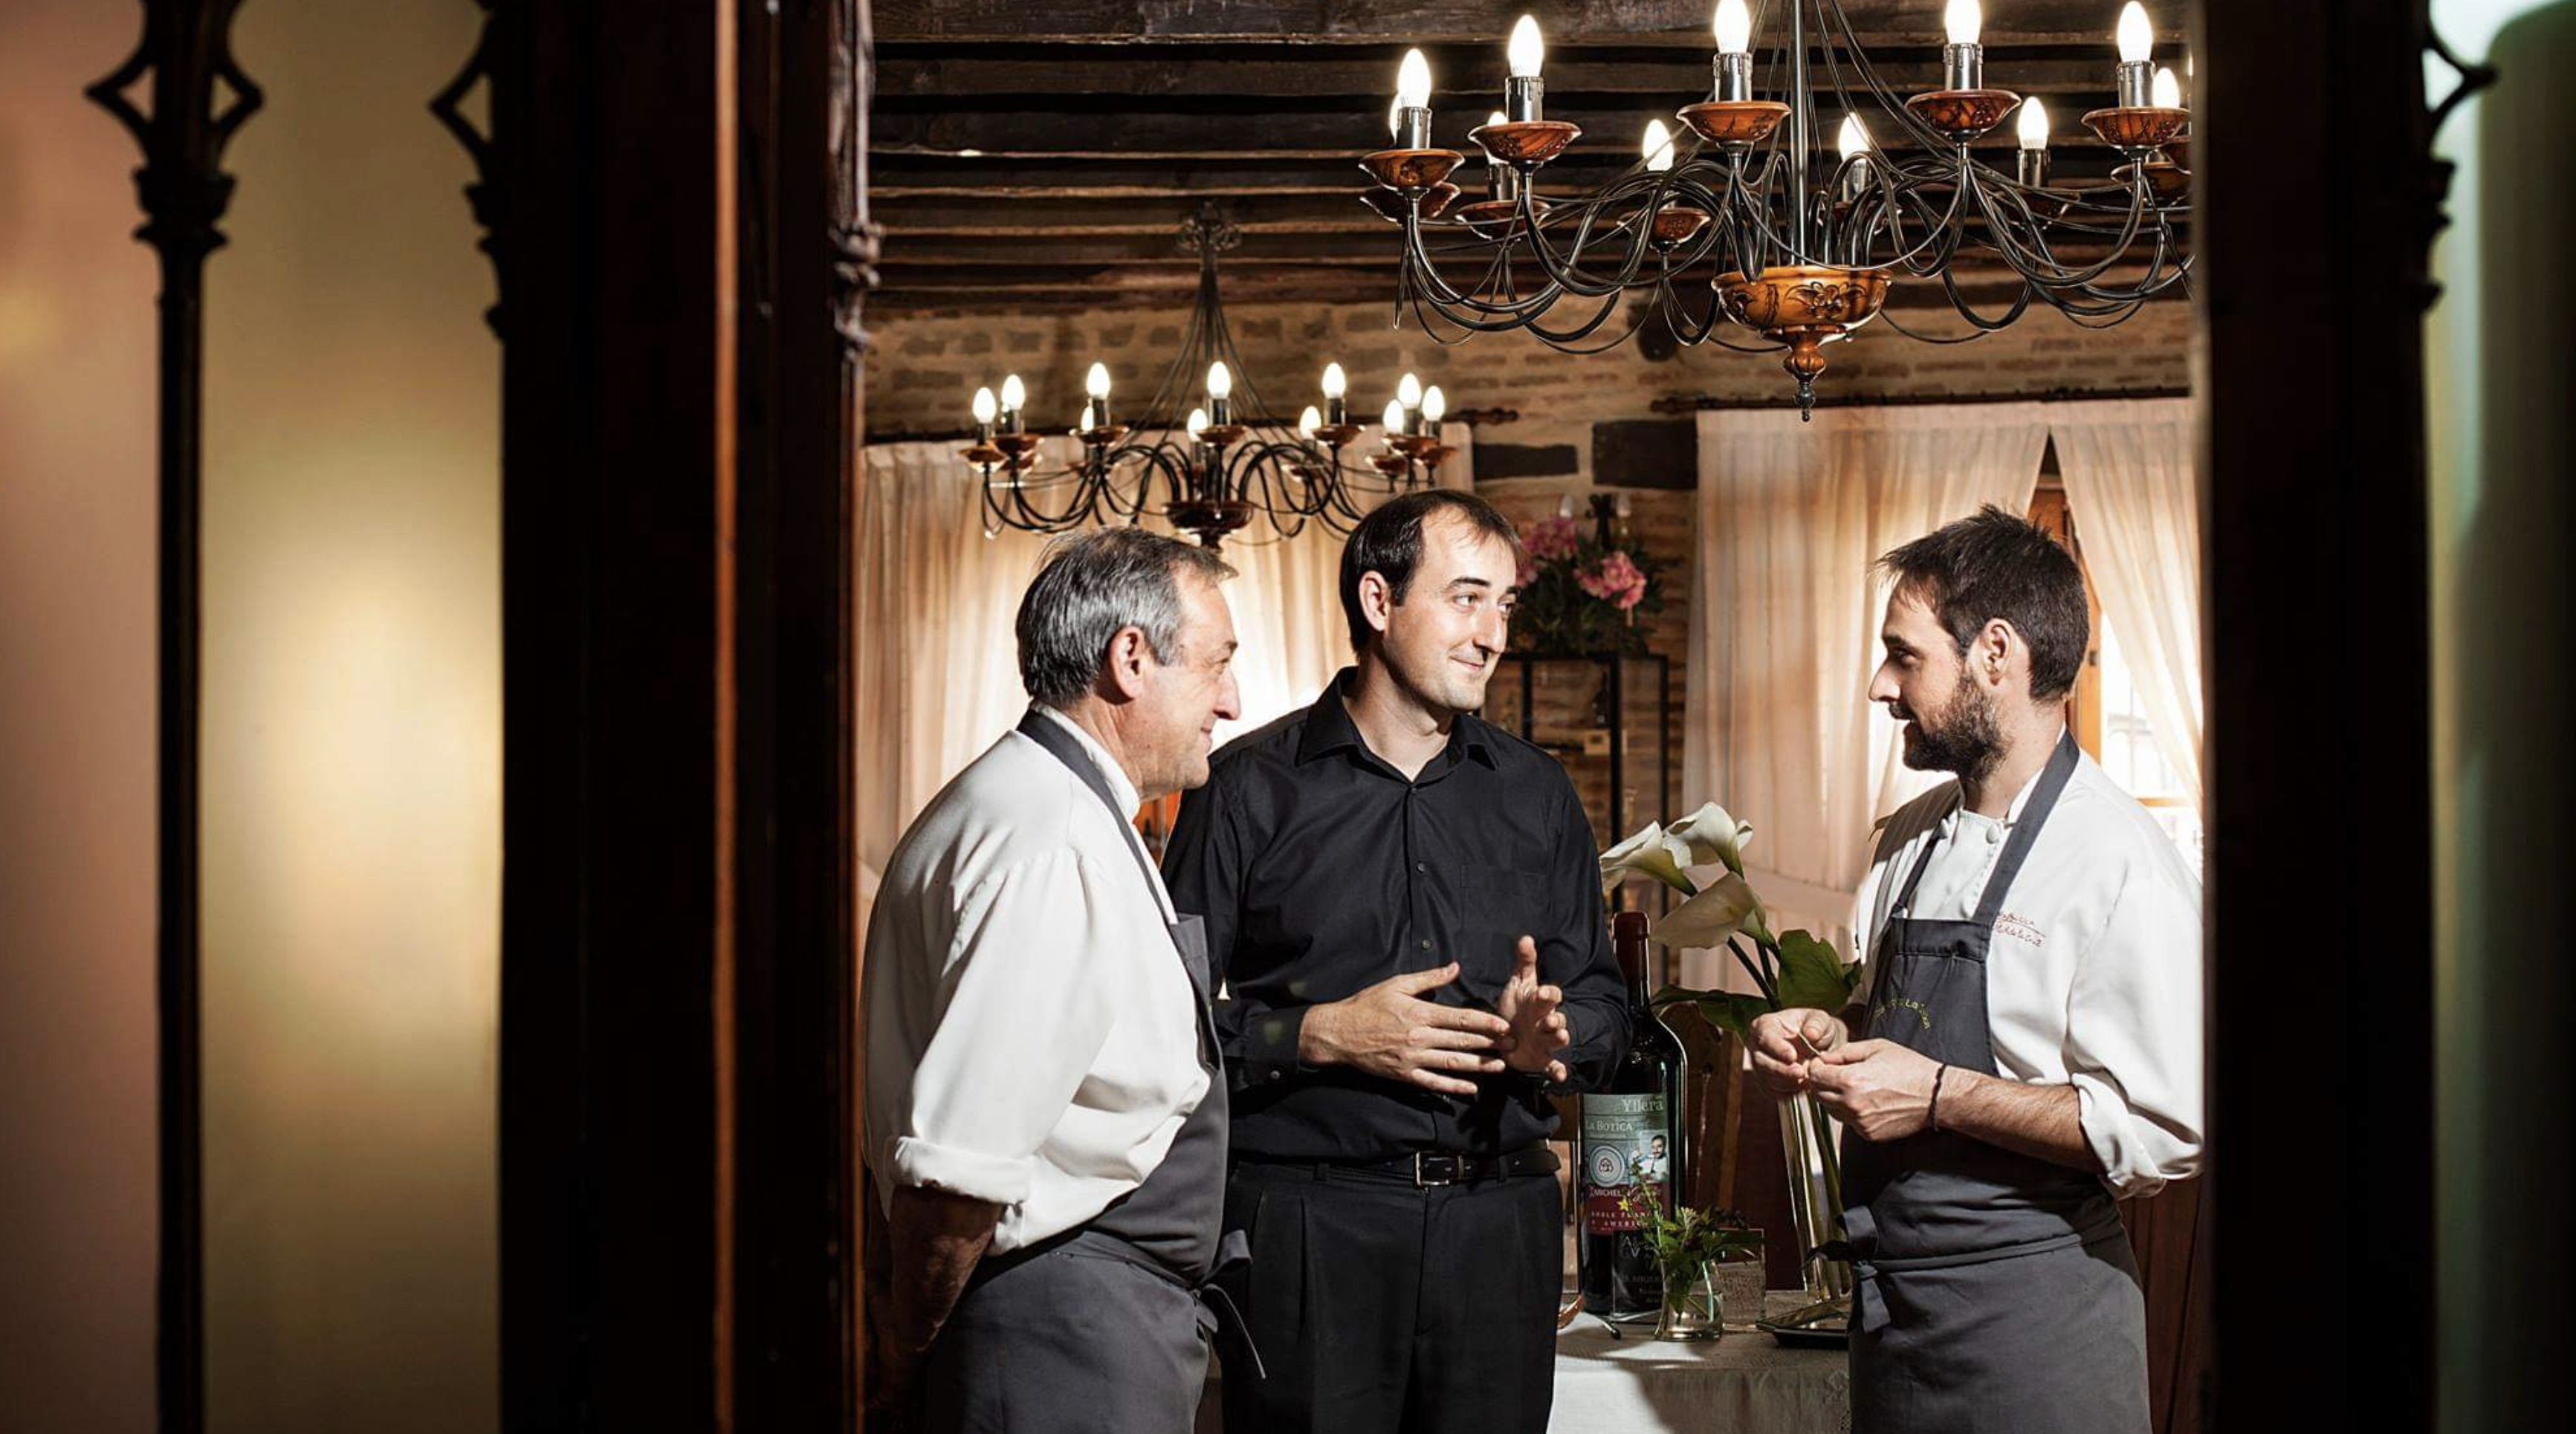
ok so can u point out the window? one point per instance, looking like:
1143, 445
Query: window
2110, 722
2125, 745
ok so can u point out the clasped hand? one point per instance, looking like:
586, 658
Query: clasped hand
1879, 1088
1390, 1030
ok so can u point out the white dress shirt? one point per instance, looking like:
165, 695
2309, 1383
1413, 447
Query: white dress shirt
2094, 974
1032, 1038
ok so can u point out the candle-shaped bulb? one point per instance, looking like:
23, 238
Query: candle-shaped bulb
2167, 91
1393, 417
1308, 422
2137, 39
1334, 383
1658, 147
1413, 82
1220, 380
1734, 27
985, 408
1852, 141
1526, 51
2033, 124
1408, 390
1434, 404
1498, 117
1096, 383
1015, 395
1962, 20
1198, 420
1565, 506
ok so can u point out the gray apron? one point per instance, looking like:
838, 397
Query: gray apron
1174, 1218
1996, 1291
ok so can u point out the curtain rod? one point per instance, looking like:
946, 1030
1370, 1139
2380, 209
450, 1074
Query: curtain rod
1696, 402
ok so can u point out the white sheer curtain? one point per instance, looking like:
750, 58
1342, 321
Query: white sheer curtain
1784, 623
937, 667
2130, 484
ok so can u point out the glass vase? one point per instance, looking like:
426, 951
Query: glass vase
1692, 1308
1815, 1195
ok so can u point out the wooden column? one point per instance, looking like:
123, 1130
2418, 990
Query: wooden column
194, 97
2319, 894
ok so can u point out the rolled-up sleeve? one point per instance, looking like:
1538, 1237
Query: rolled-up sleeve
1021, 1019
2133, 1035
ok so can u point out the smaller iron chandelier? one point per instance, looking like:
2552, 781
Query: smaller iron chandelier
1795, 254
1215, 470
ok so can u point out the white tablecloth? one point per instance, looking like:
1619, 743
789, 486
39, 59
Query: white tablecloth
1746, 1383
1742, 1384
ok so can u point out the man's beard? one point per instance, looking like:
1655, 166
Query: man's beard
1965, 738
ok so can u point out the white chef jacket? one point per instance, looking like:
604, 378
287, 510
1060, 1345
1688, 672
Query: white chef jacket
2094, 974
1032, 1037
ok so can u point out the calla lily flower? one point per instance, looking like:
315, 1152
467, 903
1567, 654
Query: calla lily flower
1713, 916
1713, 836
1651, 852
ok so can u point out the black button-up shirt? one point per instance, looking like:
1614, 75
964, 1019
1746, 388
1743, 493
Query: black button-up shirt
1322, 871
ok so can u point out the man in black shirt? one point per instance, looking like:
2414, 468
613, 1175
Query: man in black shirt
1404, 904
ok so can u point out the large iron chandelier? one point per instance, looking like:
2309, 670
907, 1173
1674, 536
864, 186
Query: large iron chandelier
1795, 251
1220, 467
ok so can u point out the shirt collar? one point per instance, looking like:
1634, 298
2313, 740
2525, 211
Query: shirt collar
1329, 727
2012, 813
1108, 765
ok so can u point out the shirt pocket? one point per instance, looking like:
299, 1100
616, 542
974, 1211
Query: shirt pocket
1500, 905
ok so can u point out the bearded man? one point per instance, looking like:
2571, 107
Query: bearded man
2033, 1014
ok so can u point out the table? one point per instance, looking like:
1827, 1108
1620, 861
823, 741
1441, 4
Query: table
1743, 1384
1746, 1383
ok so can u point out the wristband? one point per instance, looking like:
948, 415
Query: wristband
1932, 1116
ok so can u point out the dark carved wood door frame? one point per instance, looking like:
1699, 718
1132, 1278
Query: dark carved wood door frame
676, 212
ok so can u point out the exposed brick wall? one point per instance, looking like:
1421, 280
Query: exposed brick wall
925, 367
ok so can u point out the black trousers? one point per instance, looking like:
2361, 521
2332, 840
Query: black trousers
1382, 1308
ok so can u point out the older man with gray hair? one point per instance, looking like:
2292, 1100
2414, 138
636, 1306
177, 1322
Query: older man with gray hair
1046, 1116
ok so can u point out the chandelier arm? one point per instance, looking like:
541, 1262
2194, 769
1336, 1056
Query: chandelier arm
1940, 236
1569, 345
1418, 266
1888, 101
1889, 318
1513, 312
2043, 267
1959, 303
1565, 272
1564, 339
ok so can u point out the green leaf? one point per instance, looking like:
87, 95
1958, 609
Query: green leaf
1733, 1012
1812, 975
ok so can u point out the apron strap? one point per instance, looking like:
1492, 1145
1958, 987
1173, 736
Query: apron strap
2043, 800
2034, 815
1922, 862
1068, 749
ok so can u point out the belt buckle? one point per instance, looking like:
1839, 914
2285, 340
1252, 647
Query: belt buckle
1424, 1162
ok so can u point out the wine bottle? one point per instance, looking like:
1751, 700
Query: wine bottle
1631, 1137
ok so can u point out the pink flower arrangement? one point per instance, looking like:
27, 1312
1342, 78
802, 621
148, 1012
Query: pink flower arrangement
1550, 538
1616, 580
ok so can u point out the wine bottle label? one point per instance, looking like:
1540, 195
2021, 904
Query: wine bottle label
1627, 1141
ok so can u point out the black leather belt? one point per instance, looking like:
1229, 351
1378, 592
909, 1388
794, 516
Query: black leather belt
1425, 1169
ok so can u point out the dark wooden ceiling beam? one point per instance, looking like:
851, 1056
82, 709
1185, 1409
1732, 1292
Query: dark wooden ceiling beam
1338, 22
1330, 287
1454, 253
962, 74
1237, 134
